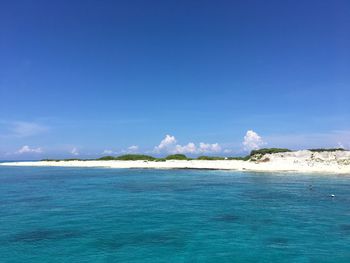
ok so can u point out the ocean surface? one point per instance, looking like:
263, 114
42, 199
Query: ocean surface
50, 214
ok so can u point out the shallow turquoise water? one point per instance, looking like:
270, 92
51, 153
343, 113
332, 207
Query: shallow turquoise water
106, 215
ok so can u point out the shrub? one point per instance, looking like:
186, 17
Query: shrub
244, 158
327, 150
210, 158
176, 157
268, 150
134, 157
106, 158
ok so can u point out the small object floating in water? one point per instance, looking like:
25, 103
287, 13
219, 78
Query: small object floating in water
332, 195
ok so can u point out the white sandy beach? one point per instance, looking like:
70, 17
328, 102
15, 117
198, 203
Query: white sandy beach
298, 161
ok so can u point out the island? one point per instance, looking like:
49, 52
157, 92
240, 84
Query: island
335, 160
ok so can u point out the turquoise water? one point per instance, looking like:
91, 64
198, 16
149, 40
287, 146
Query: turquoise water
106, 215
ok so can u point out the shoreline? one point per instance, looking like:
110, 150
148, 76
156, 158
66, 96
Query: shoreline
283, 166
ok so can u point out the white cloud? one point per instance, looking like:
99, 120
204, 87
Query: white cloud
252, 141
168, 145
27, 149
74, 151
107, 152
188, 148
209, 148
130, 149
133, 148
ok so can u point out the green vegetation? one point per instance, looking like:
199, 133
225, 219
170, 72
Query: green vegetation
209, 158
176, 157
257, 155
327, 150
268, 150
135, 157
128, 157
244, 158
58, 160
214, 158
160, 160
107, 158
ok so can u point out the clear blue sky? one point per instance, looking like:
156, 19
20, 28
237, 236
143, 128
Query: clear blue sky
89, 76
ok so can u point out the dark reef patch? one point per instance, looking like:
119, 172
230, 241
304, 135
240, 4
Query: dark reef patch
37, 199
277, 241
139, 240
345, 228
228, 218
40, 235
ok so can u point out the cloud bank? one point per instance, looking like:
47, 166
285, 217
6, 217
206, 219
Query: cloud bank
133, 148
169, 145
27, 149
107, 152
130, 149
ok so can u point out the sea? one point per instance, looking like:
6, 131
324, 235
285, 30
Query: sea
53, 214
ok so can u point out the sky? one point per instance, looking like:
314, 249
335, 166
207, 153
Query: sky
91, 78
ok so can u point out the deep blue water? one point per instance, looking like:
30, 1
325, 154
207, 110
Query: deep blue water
109, 215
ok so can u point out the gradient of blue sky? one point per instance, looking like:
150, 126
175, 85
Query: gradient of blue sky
96, 75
